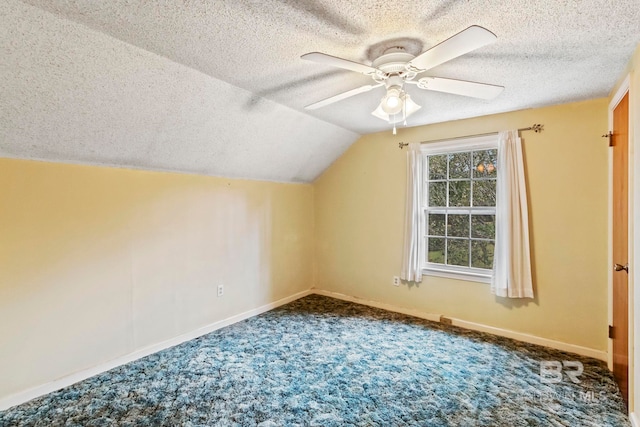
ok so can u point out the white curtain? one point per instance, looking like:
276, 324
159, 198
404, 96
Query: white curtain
512, 257
411, 258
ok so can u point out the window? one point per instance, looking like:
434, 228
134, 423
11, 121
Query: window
459, 205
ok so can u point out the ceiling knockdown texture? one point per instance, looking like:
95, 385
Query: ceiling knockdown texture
218, 87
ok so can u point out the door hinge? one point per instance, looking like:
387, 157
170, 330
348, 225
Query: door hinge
610, 331
609, 135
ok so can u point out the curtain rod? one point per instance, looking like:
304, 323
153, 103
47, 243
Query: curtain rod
536, 127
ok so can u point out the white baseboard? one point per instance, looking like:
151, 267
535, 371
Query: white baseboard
519, 336
376, 304
533, 339
635, 421
32, 393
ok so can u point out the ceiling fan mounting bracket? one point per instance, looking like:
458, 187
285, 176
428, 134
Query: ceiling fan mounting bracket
400, 44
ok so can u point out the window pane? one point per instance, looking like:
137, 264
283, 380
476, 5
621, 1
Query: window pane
459, 165
459, 193
435, 250
484, 163
484, 193
438, 167
458, 226
483, 226
458, 252
459, 214
435, 224
437, 194
482, 254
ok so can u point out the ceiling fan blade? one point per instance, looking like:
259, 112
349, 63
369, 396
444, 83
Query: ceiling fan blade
460, 87
323, 58
341, 96
465, 41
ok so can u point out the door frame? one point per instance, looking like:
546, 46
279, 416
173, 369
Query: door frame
615, 100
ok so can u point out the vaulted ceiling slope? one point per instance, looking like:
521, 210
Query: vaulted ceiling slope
71, 94
218, 86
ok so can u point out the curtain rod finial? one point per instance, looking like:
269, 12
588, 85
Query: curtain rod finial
537, 128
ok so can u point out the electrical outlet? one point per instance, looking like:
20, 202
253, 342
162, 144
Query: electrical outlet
396, 281
220, 290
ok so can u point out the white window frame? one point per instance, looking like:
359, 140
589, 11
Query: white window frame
484, 142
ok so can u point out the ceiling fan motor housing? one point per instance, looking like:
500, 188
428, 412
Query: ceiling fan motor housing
394, 63
394, 80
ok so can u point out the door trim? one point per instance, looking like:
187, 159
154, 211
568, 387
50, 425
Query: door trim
623, 89
615, 100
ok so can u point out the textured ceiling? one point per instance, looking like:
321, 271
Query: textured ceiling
218, 87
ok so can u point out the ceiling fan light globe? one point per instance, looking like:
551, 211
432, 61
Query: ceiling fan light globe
391, 119
392, 101
406, 102
392, 111
410, 107
379, 113
392, 105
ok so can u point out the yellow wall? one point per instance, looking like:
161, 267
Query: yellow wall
359, 210
99, 262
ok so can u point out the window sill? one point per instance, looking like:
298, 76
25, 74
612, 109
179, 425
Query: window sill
458, 275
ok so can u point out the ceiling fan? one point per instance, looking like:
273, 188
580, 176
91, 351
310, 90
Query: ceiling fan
396, 68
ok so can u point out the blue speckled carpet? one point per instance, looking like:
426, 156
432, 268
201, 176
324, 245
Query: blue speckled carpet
324, 362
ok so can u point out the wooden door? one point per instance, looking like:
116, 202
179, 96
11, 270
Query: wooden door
620, 142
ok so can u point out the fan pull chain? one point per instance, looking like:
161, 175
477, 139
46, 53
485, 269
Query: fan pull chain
404, 110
